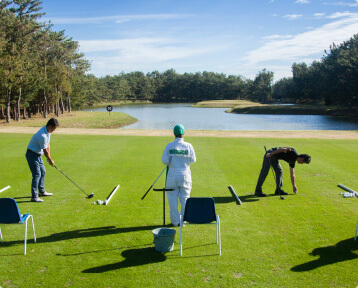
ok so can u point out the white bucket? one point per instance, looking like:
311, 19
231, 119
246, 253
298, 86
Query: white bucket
164, 239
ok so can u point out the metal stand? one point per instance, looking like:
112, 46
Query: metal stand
164, 190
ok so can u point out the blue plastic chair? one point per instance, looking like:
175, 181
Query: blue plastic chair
200, 210
10, 214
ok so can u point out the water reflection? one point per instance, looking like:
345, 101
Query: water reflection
165, 116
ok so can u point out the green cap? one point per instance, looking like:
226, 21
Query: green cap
178, 130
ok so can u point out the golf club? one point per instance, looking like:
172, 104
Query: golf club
277, 188
88, 196
153, 183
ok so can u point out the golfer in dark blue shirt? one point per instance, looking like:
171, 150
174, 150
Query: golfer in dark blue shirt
271, 159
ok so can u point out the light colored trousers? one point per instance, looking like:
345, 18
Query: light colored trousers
179, 193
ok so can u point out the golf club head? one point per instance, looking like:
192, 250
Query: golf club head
90, 196
282, 198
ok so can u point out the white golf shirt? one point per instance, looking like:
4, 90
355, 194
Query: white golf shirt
178, 155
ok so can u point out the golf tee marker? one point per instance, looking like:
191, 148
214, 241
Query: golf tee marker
3, 189
237, 199
111, 195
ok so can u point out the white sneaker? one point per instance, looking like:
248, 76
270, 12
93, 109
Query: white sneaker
45, 194
37, 199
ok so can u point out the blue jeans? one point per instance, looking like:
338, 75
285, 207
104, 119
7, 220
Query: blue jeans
38, 171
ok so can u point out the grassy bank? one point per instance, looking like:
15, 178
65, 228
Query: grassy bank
116, 103
78, 119
296, 110
303, 241
249, 107
225, 104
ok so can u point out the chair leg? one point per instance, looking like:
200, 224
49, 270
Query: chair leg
33, 228
219, 234
217, 231
25, 235
355, 235
181, 239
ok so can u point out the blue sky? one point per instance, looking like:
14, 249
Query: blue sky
234, 37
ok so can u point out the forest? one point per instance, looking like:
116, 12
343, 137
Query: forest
43, 71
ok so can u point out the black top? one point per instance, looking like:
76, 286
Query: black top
290, 156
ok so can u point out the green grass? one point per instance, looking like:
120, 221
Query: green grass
298, 109
303, 241
78, 119
117, 103
249, 107
225, 104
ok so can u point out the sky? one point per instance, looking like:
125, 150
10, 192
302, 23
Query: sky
233, 37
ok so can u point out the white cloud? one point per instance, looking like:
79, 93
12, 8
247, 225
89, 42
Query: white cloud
302, 2
339, 15
319, 15
113, 56
310, 44
115, 18
277, 37
349, 4
293, 16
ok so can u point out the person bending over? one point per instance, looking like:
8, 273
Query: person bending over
178, 155
39, 145
271, 159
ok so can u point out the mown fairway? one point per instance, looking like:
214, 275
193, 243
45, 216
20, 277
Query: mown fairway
78, 119
303, 241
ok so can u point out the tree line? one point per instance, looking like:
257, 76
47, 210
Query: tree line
39, 68
333, 80
170, 86
42, 71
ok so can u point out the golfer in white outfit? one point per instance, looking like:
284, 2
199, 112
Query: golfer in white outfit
178, 155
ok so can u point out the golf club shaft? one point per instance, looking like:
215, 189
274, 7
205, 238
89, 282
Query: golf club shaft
153, 183
70, 179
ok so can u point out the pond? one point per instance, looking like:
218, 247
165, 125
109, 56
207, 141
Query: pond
166, 116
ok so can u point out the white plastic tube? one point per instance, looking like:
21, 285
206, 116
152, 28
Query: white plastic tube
4, 188
111, 195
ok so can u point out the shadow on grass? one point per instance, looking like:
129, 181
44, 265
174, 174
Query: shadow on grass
248, 198
342, 251
223, 200
102, 250
229, 199
138, 257
133, 257
23, 201
244, 198
84, 233
178, 256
